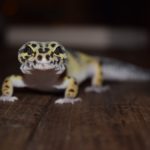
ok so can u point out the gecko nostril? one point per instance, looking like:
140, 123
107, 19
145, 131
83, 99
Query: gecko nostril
47, 57
39, 57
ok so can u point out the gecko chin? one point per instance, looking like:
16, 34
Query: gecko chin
28, 67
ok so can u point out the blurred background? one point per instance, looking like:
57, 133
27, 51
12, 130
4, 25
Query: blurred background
113, 28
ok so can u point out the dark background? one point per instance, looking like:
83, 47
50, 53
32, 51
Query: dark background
99, 12
108, 13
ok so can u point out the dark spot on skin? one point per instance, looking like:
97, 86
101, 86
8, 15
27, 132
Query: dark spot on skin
40, 50
64, 60
46, 49
34, 62
47, 57
6, 81
26, 57
22, 59
39, 57
52, 54
68, 77
58, 50
75, 82
33, 45
53, 45
40, 45
7, 93
6, 86
71, 90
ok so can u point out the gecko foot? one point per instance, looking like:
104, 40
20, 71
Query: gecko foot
8, 98
97, 89
67, 100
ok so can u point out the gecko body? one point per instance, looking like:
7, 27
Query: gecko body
49, 66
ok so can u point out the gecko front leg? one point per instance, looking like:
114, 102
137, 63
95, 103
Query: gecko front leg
97, 79
71, 92
8, 87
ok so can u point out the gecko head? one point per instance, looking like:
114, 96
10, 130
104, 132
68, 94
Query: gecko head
42, 56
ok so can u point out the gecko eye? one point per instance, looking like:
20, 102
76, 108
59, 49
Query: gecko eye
27, 50
58, 50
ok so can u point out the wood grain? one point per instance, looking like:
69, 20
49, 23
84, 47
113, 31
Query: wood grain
114, 120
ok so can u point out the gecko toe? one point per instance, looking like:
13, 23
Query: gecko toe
67, 100
8, 98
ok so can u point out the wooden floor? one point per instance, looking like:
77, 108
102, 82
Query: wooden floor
118, 119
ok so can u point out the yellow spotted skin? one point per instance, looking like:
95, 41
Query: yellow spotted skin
75, 66
72, 88
81, 66
8, 83
7, 88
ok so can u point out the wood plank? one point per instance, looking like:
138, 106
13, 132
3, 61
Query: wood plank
117, 119
18, 120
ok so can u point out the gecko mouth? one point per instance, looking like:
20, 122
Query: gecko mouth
28, 67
